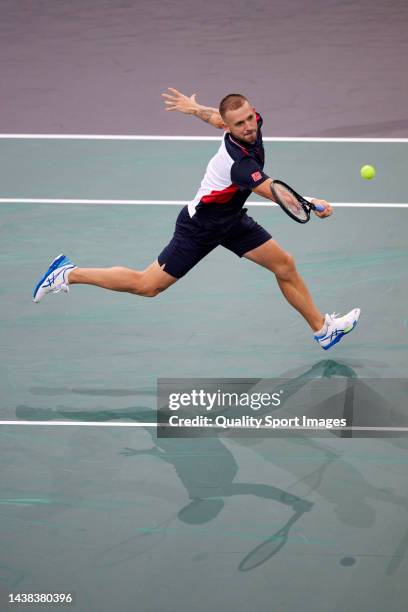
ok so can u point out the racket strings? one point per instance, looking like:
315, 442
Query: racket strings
289, 201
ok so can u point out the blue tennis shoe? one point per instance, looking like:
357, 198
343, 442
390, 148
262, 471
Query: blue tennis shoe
335, 327
55, 279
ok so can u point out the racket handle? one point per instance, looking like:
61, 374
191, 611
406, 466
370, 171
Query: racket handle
318, 207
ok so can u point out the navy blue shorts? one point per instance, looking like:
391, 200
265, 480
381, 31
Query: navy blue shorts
195, 237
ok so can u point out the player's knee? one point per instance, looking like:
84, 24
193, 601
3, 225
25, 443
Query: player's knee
137, 282
144, 289
286, 267
148, 287
150, 291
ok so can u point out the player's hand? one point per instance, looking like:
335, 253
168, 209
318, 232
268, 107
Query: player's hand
176, 101
328, 209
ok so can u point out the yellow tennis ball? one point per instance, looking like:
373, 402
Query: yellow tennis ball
367, 172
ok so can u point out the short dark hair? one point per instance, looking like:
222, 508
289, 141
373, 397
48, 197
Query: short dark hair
231, 102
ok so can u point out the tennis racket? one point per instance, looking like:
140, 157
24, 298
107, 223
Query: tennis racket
294, 205
272, 545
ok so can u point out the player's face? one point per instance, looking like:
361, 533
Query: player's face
241, 123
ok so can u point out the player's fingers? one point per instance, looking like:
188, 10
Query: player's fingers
176, 91
325, 213
327, 209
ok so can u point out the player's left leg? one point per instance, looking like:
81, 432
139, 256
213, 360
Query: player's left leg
272, 257
62, 273
182, 253
148, 283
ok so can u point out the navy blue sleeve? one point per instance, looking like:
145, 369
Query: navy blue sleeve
247, 173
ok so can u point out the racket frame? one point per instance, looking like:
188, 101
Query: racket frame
307, 206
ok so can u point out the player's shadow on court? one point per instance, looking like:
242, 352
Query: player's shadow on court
351, 500
207, 468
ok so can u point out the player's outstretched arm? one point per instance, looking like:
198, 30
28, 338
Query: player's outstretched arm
176, 101
264, 190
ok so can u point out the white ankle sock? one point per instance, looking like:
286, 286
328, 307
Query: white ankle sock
323, 330
67, 273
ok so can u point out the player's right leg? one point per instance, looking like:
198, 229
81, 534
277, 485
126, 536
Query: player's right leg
328, 330
62, 273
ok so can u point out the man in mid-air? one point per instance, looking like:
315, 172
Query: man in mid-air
215, 217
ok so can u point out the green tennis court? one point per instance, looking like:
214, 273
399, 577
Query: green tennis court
110, 511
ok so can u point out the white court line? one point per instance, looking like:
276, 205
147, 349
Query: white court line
78, 423
179, 203
192, 138
110, 424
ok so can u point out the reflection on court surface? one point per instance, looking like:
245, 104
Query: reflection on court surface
115, 513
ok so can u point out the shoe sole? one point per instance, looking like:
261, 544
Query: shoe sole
53, 266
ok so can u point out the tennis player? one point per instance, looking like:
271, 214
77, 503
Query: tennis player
215, 217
